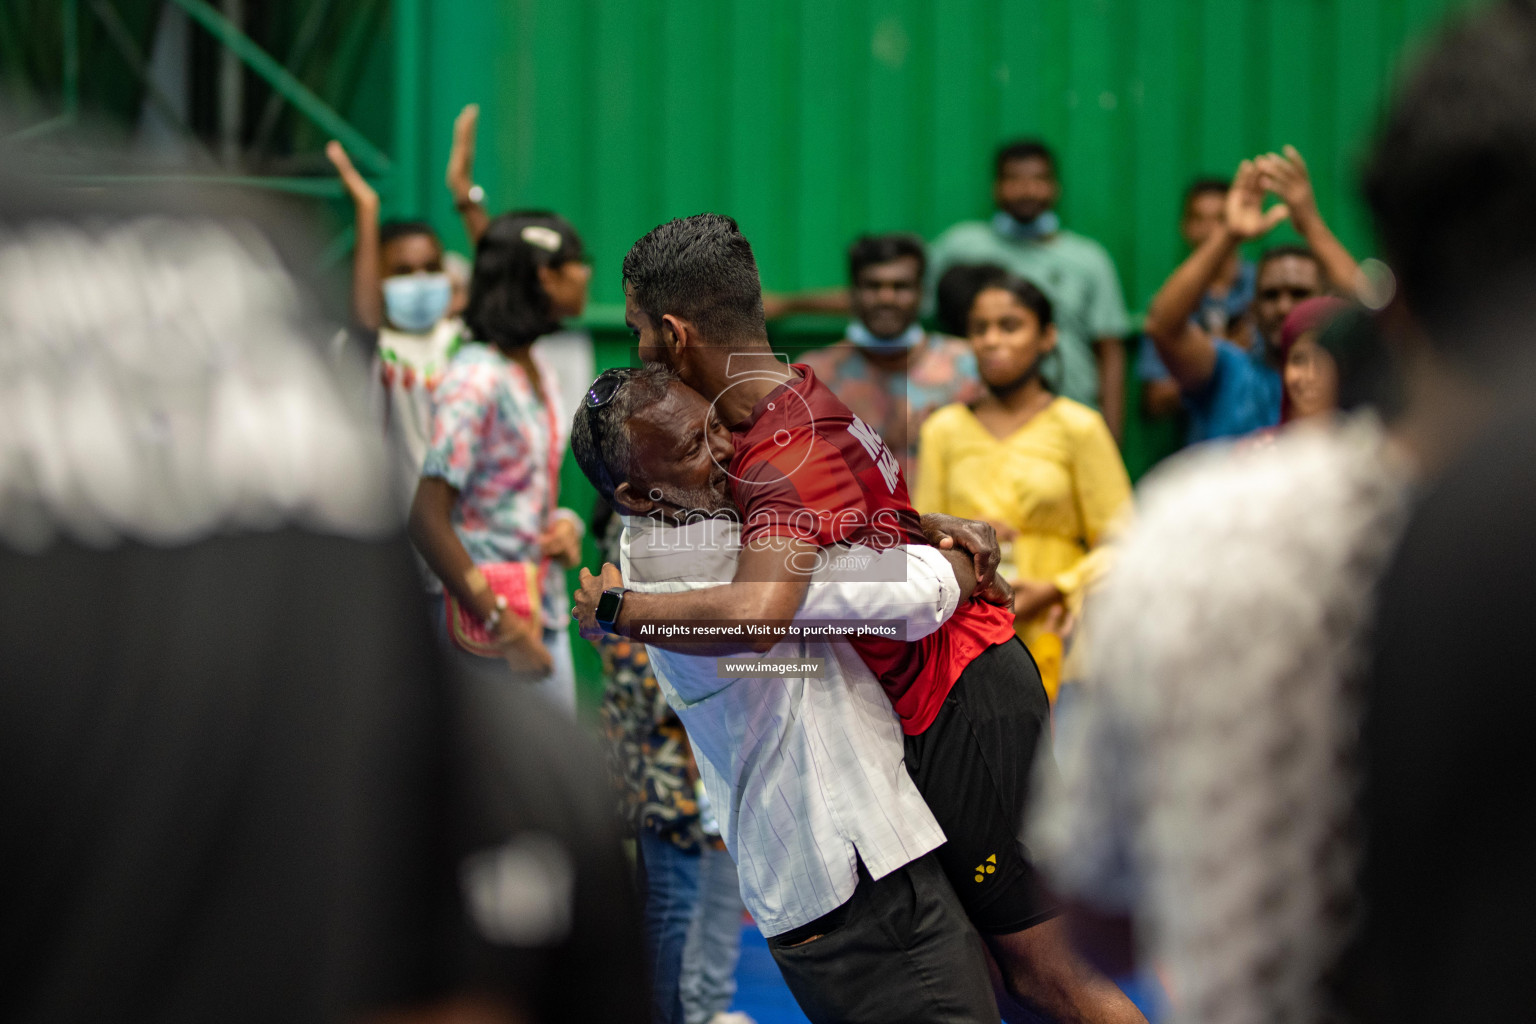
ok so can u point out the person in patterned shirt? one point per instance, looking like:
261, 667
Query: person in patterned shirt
489, 483
889, 370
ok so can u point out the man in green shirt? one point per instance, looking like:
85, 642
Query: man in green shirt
1025, 236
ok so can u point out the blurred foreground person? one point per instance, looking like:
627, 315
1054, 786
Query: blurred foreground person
1208, 790
1202, 794
1450, 926
236, 784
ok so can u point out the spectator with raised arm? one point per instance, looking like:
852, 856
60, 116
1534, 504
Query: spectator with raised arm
468, 198
1223, 309
401, 294
1228, 388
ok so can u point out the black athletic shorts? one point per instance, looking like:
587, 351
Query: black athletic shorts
973, 766
900, 951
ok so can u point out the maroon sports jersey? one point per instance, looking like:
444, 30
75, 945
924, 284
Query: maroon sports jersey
807, 467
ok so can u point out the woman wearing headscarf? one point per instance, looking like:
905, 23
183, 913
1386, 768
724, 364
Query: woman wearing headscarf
1308, 371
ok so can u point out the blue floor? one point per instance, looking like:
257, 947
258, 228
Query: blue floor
761, 994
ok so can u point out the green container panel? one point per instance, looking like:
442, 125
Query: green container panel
812, 122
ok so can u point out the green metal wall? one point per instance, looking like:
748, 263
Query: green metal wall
813, 121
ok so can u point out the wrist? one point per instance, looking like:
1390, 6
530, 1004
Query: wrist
492, 612
1225, 239
468, 197
572, 517
609, 612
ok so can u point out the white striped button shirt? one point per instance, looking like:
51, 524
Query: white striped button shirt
805, 774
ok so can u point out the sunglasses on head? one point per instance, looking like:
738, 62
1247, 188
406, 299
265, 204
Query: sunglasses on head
606, 386
602, 391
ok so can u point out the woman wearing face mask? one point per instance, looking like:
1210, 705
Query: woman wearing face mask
485, 515
1043, 469
1310, 375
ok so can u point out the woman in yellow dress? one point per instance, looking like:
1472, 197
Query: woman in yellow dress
1043, 469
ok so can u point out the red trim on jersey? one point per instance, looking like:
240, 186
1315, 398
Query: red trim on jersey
806, 467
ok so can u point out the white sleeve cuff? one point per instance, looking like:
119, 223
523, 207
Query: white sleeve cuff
914, 583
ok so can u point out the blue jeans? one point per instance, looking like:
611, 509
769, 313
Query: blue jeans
670, 888
708, 982
559, 687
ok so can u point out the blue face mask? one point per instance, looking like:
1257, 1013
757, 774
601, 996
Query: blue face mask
1042, 226
415, 302
860, 336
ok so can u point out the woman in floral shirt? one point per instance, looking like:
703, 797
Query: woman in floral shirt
489, 482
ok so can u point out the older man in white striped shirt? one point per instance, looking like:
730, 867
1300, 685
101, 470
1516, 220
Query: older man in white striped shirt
804, 770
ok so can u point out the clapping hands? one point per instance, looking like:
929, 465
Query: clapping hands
1245, 214
1283, 175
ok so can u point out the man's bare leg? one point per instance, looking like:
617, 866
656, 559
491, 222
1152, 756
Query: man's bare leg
1044, 980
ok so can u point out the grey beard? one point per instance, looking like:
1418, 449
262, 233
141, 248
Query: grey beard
697, 501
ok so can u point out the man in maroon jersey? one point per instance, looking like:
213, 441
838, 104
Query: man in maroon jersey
805, 474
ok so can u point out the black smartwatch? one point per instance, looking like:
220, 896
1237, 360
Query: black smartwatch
608, 607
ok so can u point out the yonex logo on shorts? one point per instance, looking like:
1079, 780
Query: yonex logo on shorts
987, 867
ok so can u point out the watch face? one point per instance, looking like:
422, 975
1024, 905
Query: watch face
608, 605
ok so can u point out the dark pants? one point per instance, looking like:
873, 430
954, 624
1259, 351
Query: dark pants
900, 950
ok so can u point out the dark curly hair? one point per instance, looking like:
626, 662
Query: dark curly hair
508, 307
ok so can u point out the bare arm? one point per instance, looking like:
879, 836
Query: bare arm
461, 177
367, 290
431, 529
1187, 351
1286, 176
1109, 353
